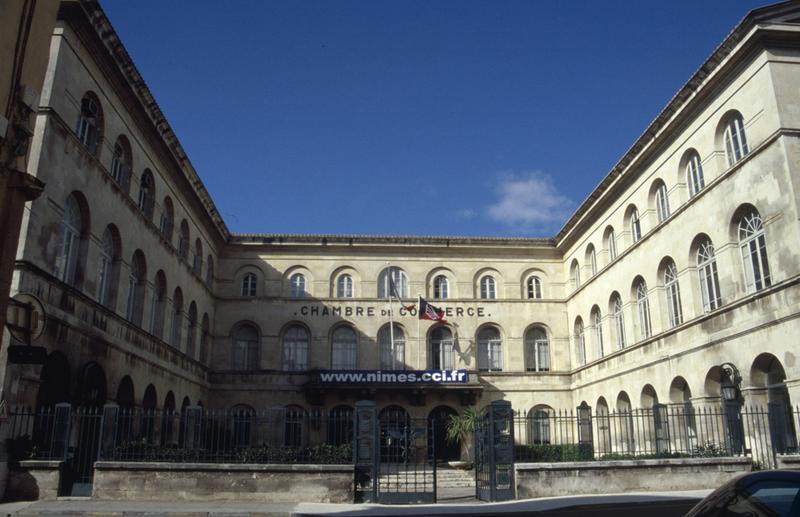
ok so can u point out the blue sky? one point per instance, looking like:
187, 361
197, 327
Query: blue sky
413, 117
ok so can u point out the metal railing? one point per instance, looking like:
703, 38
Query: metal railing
194, 434
674, 431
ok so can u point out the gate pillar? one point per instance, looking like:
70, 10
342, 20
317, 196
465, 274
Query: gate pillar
61, 429
365, 452
108, 431
494, 444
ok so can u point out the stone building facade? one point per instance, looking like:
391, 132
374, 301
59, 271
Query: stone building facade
685, 257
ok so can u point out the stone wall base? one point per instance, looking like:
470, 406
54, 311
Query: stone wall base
209, 482
789, 461
608, 477
35, 479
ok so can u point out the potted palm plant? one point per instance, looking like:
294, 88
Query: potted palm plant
460, 429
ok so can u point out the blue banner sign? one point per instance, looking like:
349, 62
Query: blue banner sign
393, 377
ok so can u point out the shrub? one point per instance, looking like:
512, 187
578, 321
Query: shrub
709, 450
544, 453
324, 454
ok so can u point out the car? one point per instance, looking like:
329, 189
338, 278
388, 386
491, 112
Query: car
770, 493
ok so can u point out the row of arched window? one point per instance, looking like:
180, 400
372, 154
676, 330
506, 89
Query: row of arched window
752, 246
89, 131
442, 348
392, 282
70, 267
735, 142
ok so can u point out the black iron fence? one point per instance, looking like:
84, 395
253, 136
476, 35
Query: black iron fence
674, 431
287, 435
193, 434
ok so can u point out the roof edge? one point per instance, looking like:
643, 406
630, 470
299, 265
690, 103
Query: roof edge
681, 98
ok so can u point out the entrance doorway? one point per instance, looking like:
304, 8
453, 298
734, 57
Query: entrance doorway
443, 450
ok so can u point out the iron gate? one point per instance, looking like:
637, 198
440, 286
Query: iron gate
65, 434
394, 457
494, 453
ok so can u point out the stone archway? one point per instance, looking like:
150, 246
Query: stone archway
444, 450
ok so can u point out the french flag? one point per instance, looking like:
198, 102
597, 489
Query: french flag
429, 312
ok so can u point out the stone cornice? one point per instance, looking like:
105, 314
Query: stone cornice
390, 240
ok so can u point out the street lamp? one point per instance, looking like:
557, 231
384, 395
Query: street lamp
732, 395
731, 383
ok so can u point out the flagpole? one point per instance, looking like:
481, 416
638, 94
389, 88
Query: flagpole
391, 318
419, 337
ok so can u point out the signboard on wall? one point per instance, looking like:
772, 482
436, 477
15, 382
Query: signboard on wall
354, 377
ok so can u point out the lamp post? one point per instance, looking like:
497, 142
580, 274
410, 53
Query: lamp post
731, 383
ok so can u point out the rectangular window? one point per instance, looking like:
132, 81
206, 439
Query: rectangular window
490, 355
442, 356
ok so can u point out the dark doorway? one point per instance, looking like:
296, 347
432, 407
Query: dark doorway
126, 399
444, 450
54, 387
79, 471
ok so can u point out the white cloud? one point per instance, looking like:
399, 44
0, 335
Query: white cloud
530, 199
464, 214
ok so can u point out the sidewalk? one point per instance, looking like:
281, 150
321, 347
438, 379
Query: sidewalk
88, 507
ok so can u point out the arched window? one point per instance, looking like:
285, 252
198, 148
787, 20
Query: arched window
393, 355
191, 330
619, 322
121, 162
294, 426
441, 288
147, 192
537, 350
488, 288
108, 271
159, 305
694, 173
136, 288
197, 260
392, 276
540, 425
90, 123
295, 349
244, 419
735, 139
709, 279
177, 319
210, 271
340, 425
673, 294
297, 286
249, 283
490, 350
442, 349
344, 349
575, 274
68, 267
344, 286
245, 348
662, 202
183, 241
597, 323
636, 226
611, 243
580, 342
753, 246
534, 288
167, 219
643, 308
205, 338
591, 260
